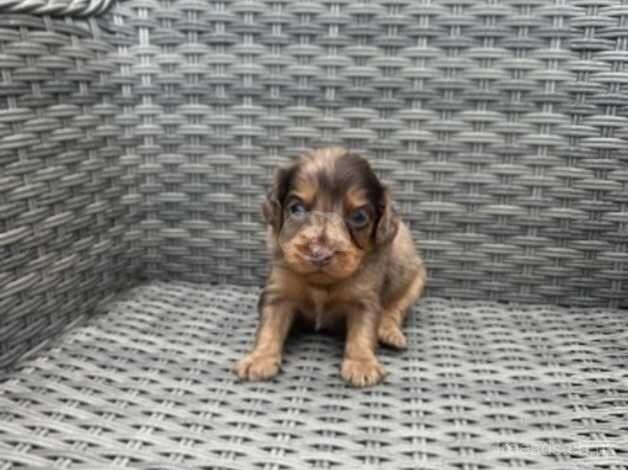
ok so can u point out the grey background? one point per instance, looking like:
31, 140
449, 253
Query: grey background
501, 128
136, 146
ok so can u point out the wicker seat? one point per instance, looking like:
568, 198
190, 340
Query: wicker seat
136, 141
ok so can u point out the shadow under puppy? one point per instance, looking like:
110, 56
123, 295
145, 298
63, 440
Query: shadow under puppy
341, 257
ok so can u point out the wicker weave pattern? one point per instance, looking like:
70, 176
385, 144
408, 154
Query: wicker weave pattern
141, 143
63, 217
148, 386
65, 8
502, 126
145, 140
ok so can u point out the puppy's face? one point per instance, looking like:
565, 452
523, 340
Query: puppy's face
326, 212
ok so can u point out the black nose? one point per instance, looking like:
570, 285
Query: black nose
319, 255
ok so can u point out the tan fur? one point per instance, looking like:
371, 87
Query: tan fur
265, 361
311, 164
355, 197
394, 313
307, 187
316, 160
365, 291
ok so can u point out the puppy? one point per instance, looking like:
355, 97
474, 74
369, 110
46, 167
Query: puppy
341, 257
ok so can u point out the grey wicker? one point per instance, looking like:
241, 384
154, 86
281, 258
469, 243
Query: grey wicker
136, 141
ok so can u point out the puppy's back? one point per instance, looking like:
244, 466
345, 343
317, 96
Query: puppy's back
403, 266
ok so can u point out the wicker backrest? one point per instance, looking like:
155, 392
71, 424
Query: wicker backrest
501, 125
65, 214
142, 141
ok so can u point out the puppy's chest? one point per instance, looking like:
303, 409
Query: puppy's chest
319, 309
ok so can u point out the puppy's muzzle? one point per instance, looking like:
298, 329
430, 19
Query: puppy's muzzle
319, 255
318, 236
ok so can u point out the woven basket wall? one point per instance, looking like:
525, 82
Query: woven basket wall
65, 211
501, 125
140, 142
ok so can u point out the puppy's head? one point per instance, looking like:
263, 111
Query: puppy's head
326, 212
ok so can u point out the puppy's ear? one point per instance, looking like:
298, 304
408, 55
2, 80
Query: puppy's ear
388, 222
272, 207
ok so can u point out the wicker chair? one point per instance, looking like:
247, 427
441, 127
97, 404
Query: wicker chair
136, 140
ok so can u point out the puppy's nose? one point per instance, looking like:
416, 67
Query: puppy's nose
319, 254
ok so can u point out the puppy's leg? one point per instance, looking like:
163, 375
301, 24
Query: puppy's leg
394, 313
264, 361
360, 366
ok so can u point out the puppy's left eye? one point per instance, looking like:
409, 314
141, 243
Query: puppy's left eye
358, 218
297, 209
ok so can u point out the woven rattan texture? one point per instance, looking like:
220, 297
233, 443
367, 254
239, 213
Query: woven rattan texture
65, 210
502, 126
58, 8
483, 385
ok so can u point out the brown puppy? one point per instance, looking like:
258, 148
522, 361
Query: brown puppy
341, 256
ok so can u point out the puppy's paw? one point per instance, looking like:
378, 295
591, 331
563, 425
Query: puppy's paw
255, 367
362, 372
391, 335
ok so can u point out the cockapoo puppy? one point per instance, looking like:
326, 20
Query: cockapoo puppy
341, 258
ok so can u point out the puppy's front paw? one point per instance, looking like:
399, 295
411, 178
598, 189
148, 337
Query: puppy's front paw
362, 372
390, 334
255, 367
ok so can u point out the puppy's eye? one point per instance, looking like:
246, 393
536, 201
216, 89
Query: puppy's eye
359, 218
297, 209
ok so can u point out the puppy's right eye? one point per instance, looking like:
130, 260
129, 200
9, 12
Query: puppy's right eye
359, 219
297, 209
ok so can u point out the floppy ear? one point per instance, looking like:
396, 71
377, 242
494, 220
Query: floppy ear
272, 207
388, 222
